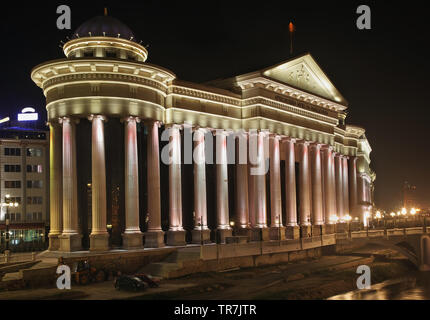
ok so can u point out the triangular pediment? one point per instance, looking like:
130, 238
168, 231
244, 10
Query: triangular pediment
304, 73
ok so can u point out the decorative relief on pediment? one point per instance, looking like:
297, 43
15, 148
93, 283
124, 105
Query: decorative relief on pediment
301, 78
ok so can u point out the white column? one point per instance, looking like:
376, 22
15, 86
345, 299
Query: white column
345, 186
132, 237
175, 187
275, 182
242, 199
200, 204
70, 240
317, 200
222, 181
305, 188
260, 183
329, 189
290, 181
99, 238
339, 185
55, 186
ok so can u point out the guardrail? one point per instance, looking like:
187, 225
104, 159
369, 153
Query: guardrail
9, 257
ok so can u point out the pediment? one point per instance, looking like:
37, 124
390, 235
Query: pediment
304, 73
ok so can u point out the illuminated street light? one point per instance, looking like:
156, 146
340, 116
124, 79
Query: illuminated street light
347, 218
413, 211
404, 211
392, 214
334, 218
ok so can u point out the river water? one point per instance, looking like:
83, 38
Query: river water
415, 287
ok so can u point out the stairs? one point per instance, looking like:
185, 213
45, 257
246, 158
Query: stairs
172, 265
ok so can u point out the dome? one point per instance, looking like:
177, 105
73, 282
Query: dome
104, 26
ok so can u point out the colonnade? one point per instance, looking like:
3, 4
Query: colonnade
320, 191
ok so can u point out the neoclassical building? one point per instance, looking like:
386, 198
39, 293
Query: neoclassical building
108, 108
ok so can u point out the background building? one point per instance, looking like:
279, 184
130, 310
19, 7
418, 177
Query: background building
24, 164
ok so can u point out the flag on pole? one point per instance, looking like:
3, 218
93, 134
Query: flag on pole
291, 28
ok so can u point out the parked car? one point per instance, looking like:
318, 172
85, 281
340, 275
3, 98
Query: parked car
126, 282
147, 279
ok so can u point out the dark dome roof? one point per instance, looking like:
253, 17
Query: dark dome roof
109, 25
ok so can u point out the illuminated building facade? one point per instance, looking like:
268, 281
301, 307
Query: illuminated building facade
24, 174
107, 111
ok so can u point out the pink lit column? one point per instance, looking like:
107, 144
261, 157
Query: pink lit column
70, 239
329, 189
345, 186
339, 185
132, 236
154, 237
176, 233
99, 238
305, 188
352, 169
222, 209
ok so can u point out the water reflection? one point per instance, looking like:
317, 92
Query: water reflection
410, 288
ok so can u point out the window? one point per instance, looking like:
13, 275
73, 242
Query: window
29, 216
110, 54
12, 217
34, 168
34, 152
16, 152
12, 168
34, 200
18, 216
34, 184
88, 53
36, 216
12, 184
13, 200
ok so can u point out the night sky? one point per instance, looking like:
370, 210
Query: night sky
382, 72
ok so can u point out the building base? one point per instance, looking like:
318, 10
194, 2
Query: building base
260, 234
277, 233
341, 227
201, 236
54, 242
221, 234
132, 240
292, 232
99, 242
330, 228
243, 232
176, 238
317, 230
154, 239
70, 242
305, 231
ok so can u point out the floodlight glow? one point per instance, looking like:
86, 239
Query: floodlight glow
4, 120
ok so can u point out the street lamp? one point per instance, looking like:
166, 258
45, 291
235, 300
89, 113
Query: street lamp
348, 219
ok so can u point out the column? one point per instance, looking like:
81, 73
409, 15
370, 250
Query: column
260, 183
70, 239
305, 188
132, 236
329, 189
290, 189
176, 233
154, 237
345, 186
242, 199
99, 237
222, 209
317, 200
201, 233
339, 185
352, 169
55, 186
277, 232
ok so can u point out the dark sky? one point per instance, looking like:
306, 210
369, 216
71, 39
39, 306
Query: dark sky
382, 72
